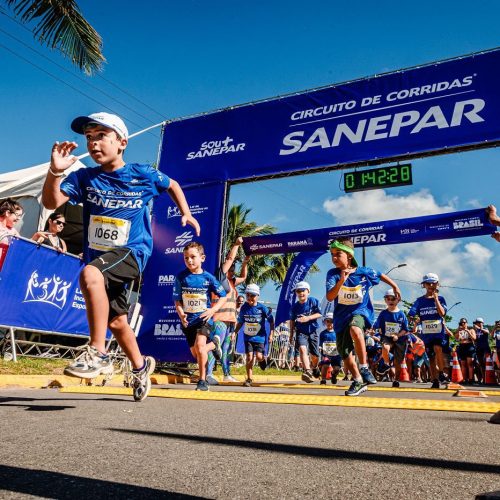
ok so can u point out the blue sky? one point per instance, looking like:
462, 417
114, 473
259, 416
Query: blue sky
179, 58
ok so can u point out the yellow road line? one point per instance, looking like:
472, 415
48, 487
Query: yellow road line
302, 399
370, 388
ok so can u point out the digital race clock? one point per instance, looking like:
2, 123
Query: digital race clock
378, 178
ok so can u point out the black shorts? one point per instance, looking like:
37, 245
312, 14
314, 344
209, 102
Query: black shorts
119, 269
254, 347
191, 332
465, 351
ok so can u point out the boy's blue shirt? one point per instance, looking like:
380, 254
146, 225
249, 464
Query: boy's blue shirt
308, 308
353, 298
115, 208
425, 308
253, 320
391, 323
195, 291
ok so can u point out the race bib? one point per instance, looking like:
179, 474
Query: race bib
392, 328
432, 326
194, 302
330, 349
106, 233
252, 329
463, 335
350, 295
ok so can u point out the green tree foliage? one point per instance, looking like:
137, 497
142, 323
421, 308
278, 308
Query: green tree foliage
59, 24
262, 269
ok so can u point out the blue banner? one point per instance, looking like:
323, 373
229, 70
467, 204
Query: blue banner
39, 290
427, 228
161, 335
296, 272
446, 105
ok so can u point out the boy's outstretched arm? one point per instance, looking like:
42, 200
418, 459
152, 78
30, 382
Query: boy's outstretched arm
181, 313
177, 194
60, 160
392, 284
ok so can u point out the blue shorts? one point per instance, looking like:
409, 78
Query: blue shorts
418, 361
434, 339
331, 360
311, 341
254, 347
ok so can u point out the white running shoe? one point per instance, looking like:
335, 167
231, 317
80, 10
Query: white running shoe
228, 378
141, 383
89, 364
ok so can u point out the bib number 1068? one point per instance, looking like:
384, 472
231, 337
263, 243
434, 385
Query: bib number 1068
108, 234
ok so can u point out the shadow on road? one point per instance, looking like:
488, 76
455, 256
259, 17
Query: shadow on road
24, 403
64, 486
331, 453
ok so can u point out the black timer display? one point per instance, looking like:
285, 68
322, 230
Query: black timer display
378, 178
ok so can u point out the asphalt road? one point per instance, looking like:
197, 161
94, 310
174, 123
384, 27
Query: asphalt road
57, 445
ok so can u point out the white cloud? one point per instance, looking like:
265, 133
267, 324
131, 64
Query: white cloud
457, 263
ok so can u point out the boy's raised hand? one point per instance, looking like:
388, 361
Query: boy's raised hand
189, 219
61, 158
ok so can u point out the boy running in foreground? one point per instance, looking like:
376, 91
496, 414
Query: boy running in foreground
348, 285
117, 236
193, 290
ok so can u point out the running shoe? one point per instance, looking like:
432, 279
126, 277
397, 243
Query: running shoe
211, 380
229, 378
334, 379
322, 381
247, 383
356, 388
202, 385
316, 373
89, 364
443, 379
367, 376
141, 383
263, 364
217, 352
435, 384
395, 384
307, 376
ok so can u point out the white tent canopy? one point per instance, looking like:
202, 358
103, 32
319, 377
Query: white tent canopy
25, 186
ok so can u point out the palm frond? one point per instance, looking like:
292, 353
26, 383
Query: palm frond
61, 26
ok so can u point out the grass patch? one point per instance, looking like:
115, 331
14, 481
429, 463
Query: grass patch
33, 366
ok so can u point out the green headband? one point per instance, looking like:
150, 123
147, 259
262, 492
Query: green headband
340, 246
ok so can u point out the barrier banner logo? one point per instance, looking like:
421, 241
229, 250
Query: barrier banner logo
39, 289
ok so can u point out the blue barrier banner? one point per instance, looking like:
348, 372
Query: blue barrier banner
39, 290
448, 105
296, 272
427, 228
161, 335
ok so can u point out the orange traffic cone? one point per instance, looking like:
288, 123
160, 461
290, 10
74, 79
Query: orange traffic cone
403, 374
456, 372
489, 375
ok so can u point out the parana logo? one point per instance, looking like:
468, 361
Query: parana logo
217, 147
166, 279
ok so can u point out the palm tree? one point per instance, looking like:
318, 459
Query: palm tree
261, 268
61, 26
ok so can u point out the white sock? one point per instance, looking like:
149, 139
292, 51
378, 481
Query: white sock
363, 366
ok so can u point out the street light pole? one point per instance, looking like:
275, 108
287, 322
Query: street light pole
395, 267
455, 304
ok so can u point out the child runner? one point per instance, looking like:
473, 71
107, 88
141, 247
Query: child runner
348, 285
193, 289
117, 235
429, 310
303, 322
393, 325
328, 348
225, 318
253, 316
